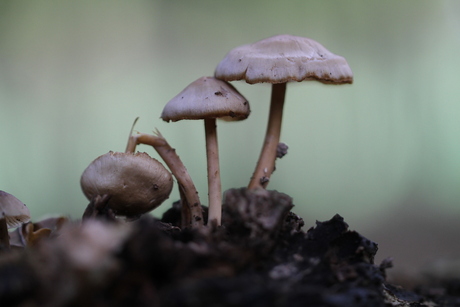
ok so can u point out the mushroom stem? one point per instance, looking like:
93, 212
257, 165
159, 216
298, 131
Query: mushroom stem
185, 214
131, 146
214, 183
4, 236
172, 160
266, 164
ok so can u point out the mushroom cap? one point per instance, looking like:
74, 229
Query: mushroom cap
284, 58
13, 210
206, 98
136, 182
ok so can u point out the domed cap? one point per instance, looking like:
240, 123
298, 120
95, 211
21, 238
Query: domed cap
136, 182
13, 210
205, 98
284, 58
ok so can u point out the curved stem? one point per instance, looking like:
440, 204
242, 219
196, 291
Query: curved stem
131, 147
185, 214
172, 160
214, 183
266, 163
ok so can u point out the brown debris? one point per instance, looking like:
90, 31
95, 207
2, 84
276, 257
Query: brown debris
261, 256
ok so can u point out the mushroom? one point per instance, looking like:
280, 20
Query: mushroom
278, 60
209, 98
12, 214
135, 182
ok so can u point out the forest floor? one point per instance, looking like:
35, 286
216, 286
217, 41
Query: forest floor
260, 256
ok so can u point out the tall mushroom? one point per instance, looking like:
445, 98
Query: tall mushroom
278, 60
209, 98
13, 213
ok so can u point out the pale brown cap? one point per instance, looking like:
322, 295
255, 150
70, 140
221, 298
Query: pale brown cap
135, 182
13, 210
205, 98
284, 58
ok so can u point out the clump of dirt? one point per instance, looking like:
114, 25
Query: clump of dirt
261, 256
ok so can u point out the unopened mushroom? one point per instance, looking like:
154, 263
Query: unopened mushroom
13, 213
135, 182
209, 98
278, 60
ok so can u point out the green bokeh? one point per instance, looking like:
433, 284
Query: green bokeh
75, 74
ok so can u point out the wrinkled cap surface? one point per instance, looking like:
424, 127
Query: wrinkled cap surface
205, 98
136, 182
13, 210
284, 58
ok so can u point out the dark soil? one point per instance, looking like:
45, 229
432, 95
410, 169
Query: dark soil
261, 256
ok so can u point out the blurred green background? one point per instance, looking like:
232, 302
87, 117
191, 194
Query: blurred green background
383, 152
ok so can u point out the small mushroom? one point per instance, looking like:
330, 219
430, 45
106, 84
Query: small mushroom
13, 213
278, 60
209, 98
135, 182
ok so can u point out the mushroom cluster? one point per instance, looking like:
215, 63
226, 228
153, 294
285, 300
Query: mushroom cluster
134, 183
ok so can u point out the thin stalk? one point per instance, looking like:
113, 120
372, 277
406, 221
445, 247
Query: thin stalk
185, 214
214, 183
266, 163
131, 147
